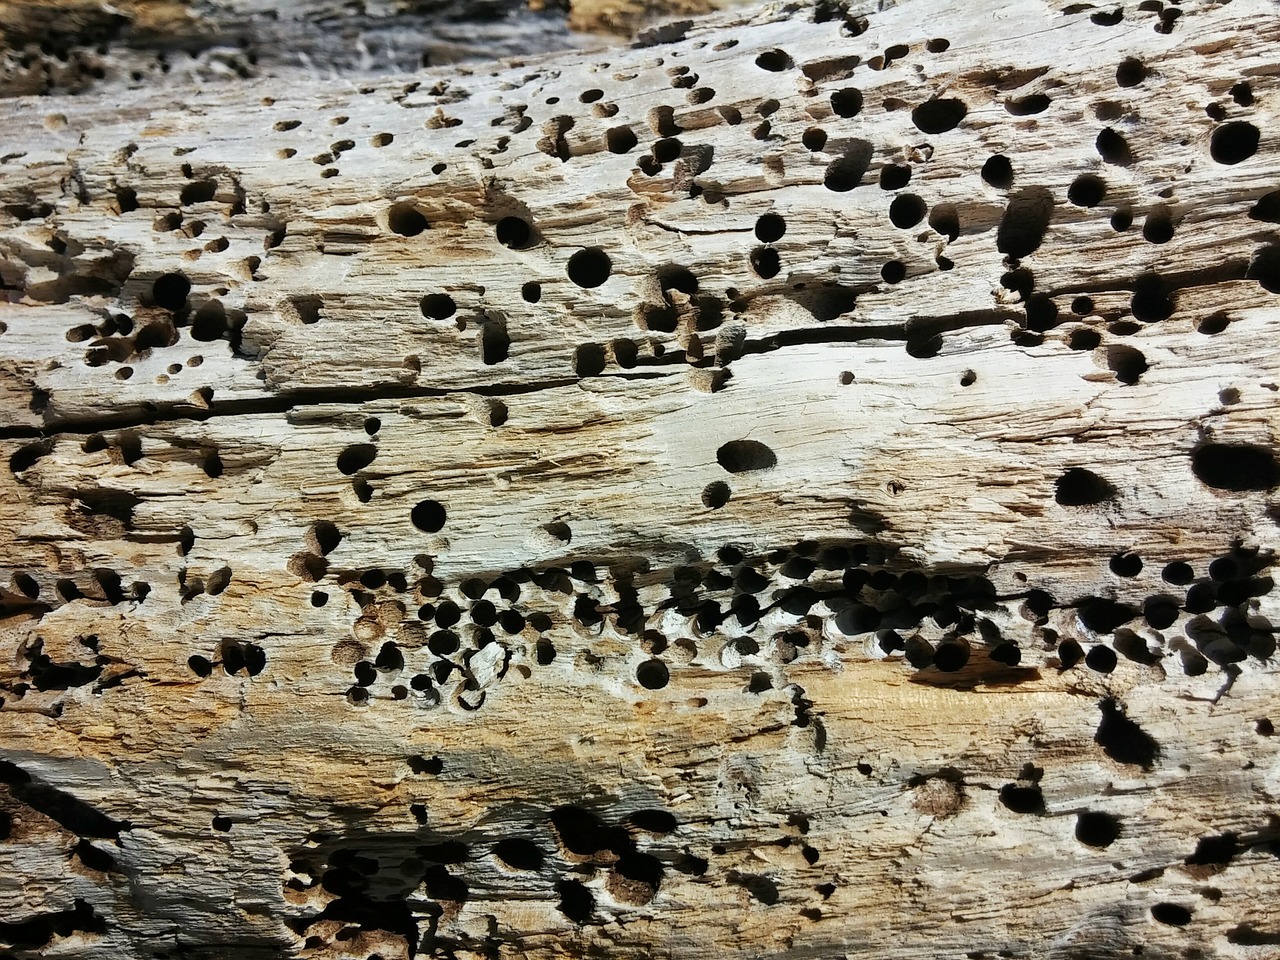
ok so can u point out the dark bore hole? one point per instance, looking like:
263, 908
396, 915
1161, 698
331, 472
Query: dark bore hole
443, 643
1084, 339
514, 232
1095, 829
894, 176
944, 218
576, 901
766, 262
1234, 142
1122, 739
775, 61
620, 139
847, 102
654, 821
1127, 363
1042, 313
951, 655
531, 291
438, 306
519, 854
667, 149
770, 228
589, 360
1082, 488
1025, 222
1113, 148
198, 192
325, 537
170, 291
814, 139
405, 220
998, 172
428, 515
1172, 914
895, 271
1267, 209
1151, 302
653, 674
495, 342
846, 172
1157, 228
1087, 191
939, 116
1236, 467
589, 267
356, 457
742, 456
1022, 799
1101, 659
716, 494
1126, 564
1160, 612
907, 210
1131, 72
1265, 268
1028, 106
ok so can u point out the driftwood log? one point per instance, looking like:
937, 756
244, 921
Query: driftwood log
803, 485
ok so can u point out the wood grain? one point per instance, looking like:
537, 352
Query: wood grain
802, 485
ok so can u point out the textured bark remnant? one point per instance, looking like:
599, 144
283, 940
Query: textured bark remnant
801, 486
78, 45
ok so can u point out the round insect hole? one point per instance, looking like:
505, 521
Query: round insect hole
766, 262
770, 228
405, 220
775, 61
1126, 564
531, 292
1234, 143
653, 674
428, 516
906, 211
998, 172
620, 139
814, 139
716, 494
1087, 191
170, 291
590, 267
894, 176
847, 102
1131, 72
438, 306
939, 116
514, 232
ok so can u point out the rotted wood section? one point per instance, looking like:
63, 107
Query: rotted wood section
802, 485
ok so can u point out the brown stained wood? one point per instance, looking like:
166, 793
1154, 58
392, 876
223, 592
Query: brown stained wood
801, 486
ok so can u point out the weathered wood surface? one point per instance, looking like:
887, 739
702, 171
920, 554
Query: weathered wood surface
376, 581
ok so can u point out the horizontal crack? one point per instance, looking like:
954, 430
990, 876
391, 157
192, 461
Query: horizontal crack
286, 402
